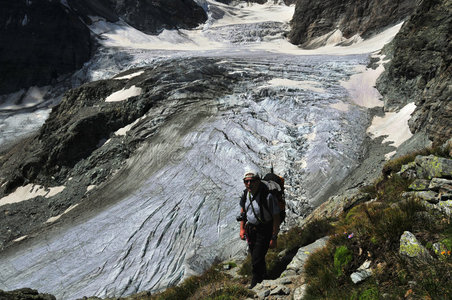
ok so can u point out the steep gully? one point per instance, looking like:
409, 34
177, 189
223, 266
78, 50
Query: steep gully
169, 210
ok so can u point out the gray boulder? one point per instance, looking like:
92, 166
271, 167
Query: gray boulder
441, 185
410, 247
419, 185
431, 166
363, 272
297, 264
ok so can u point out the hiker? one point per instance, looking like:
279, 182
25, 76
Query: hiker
259, 222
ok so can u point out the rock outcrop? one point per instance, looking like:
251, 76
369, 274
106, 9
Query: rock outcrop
153, 16
420, 70
316, 22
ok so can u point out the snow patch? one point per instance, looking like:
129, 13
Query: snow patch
30, 191
130, 75
124, 94
340, 106
306, 85
20, 238
361, 86
53, 219
394, 125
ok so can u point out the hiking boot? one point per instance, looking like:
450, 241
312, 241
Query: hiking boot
255, 281
253, 284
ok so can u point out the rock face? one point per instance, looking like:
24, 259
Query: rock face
54, 40
50, 39
421, 70
314, 19
153, 16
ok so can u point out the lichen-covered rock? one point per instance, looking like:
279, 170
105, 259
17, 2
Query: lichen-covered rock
408, 171
441, 251
410, 247
441, 185
419, 185
433, 166
335, 205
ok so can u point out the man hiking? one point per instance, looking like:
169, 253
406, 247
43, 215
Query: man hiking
259, 222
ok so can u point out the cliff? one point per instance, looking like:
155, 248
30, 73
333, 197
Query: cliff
316, 22
50, 49
420, 70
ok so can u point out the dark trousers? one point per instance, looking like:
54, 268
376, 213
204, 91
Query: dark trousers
259, 237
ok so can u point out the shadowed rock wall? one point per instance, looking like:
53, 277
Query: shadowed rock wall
313, 19
42, 40
39, 42
420, 70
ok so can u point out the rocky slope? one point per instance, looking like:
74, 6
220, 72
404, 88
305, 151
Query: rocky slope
317, 22
420, 70
49, 50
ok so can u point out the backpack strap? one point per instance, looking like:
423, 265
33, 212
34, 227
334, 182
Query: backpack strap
243, 199
263, 191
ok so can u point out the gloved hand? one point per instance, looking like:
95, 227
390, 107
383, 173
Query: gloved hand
242, 234
273, 244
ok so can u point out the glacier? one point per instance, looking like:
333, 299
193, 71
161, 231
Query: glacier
176, 198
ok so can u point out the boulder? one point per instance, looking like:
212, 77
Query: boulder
410, 247
419, 185
297, 264
363, 272
300, 292
336, 205
431, 166
408, 171
441, 251
441, 185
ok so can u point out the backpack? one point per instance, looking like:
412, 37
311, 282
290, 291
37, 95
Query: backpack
274, 184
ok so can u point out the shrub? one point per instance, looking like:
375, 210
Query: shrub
342, 257
320, 274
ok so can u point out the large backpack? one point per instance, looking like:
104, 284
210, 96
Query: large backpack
274, 184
